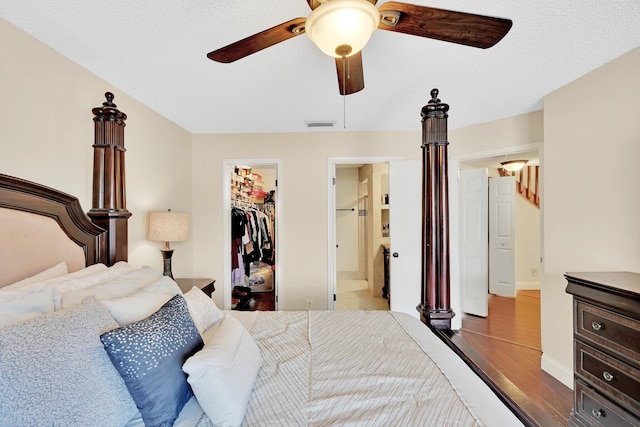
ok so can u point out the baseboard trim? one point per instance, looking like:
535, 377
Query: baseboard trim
556, 370
349, 275
528, 286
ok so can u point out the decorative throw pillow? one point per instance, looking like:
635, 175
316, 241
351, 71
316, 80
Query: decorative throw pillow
54, 371
55, 271
149, 355
223, 373
204, 311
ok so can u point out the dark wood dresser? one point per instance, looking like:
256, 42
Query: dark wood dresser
606, 348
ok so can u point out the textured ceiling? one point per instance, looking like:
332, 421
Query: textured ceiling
156, 52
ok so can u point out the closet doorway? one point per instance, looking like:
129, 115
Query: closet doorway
252, 205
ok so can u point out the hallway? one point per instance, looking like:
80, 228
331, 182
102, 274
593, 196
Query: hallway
506, 346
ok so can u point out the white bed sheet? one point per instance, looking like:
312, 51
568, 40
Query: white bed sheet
352, 377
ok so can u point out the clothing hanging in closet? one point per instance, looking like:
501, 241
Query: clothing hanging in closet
252, 244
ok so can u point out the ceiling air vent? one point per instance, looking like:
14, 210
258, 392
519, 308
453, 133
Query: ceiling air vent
320, 124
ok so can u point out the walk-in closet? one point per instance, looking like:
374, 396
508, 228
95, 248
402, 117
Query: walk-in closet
253, 245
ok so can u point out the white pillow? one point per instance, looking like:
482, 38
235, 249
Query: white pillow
93, 268
117, 287
16, 306
135, 307
86, 272
203, 310
166, 285
55, 271
143, 303
223, 373
90, 276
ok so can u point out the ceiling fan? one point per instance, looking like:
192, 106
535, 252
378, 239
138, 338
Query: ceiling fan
341, 28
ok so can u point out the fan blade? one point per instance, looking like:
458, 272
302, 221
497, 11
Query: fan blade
446, 25
350, 74
259, 41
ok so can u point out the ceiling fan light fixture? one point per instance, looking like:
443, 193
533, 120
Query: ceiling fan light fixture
513, 165
342, 27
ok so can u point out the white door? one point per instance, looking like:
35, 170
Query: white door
405, 234
502, 276
474, 241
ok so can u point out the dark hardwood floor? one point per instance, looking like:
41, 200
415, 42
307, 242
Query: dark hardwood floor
262, 301
506, 347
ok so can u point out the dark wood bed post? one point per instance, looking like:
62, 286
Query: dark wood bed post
109, 207
435, 307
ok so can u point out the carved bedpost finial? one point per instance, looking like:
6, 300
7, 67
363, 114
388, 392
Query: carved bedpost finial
434, 108
109, 102
108, 111
434, 96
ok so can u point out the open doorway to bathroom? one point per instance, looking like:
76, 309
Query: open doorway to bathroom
361, 236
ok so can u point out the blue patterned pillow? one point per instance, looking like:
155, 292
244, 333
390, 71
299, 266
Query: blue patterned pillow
149, 355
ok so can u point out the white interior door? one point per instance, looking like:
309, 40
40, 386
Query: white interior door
502, 276
474, 241
405, 235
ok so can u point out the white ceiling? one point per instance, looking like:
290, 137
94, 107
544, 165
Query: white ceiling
156, 52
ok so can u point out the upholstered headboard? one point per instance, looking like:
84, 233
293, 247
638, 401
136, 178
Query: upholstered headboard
39, 227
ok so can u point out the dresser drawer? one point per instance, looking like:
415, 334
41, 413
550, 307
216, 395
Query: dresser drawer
598, 411
608, 329
613, 377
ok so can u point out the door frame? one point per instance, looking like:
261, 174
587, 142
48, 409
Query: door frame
454, 222
227, 164
331, 213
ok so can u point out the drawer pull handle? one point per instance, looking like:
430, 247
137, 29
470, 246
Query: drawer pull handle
607, 376
596, 326
597, 413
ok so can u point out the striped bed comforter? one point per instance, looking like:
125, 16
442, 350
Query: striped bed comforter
325, 368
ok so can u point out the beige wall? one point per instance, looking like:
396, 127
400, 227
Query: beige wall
497, 135
302, 193
46, 133
527, 244
590, 196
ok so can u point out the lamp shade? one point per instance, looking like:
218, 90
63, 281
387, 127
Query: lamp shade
513, 165
168, 226
342, 27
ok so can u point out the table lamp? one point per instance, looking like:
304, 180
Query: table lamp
168, 226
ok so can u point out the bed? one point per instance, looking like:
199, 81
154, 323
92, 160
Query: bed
68, 353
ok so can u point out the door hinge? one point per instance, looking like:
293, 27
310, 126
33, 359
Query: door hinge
276, 182
276, 298
334, 181
334, 297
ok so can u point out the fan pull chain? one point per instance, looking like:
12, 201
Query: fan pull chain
345, 74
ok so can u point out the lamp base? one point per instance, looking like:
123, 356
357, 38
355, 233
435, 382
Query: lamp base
166, 257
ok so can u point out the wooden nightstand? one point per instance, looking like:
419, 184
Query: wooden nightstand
207, 285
